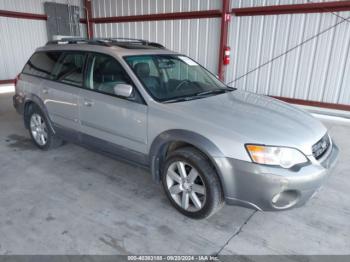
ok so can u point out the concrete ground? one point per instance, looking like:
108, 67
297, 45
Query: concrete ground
73, 201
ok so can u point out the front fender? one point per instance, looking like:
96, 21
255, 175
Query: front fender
160, 143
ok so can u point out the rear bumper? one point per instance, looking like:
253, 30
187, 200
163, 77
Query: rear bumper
18, 103
269, 188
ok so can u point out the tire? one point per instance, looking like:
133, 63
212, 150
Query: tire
200, 180
39, 130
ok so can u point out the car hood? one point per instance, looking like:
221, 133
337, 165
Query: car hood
253, 118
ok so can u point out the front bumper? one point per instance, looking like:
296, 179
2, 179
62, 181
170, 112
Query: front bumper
270, 188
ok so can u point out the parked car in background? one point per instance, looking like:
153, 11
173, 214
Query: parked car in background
207, 143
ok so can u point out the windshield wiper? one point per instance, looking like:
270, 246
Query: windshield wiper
179, 99
213, 92
199, 95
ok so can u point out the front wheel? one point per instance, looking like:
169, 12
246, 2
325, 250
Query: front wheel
191, 183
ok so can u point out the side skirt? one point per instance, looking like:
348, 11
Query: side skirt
103, 147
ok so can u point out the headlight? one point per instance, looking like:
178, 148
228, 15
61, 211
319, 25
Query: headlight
278, 156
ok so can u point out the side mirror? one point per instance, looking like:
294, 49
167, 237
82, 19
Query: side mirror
123, 90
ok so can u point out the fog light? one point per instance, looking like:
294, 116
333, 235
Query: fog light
285, 199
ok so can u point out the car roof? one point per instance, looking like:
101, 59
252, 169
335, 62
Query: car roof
115, 48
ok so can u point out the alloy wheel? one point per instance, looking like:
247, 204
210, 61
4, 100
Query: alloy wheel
186, 187
38, 129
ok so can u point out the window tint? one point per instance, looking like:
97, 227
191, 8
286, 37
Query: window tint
69, 69
41, 64
104, 73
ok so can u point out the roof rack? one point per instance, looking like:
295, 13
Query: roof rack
76, 41
122, 41
119, 41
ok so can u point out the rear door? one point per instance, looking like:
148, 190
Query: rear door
118, 121
62, 91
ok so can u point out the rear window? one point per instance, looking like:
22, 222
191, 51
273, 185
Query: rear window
69, 69
41, 64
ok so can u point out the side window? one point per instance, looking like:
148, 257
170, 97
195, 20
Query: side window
104, 73
70, 69
42, 64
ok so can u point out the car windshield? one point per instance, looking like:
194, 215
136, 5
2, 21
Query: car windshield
172, 78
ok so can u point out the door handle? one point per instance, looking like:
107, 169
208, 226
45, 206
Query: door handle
45, 91
88, 103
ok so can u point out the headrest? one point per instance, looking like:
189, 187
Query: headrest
142, 69
112, 67
108, 72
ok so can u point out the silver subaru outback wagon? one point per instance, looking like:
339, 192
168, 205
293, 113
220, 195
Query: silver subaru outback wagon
207, 143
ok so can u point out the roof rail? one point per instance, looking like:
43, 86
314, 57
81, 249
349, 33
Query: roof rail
119, 41
125, 41
76, 41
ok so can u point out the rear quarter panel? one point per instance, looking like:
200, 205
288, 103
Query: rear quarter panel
28, 85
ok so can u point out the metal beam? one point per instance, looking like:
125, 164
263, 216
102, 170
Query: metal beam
12, 14
225, 19
88, 19
313, 103
7, 81
31, 16
158, 17
321, 7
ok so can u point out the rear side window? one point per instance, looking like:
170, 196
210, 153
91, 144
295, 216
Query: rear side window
70, 69
42, 64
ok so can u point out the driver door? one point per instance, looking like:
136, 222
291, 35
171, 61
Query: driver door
109, 121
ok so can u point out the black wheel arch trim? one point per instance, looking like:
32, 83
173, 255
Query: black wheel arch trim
39, 103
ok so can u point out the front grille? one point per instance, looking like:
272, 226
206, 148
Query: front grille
321, 147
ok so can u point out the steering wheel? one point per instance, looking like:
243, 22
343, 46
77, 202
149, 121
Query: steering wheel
178, 87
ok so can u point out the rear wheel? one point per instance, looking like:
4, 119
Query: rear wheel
39, 130
191, 183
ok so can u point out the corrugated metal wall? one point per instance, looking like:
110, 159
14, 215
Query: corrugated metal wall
104, 8
15, 48
20, 37
317, 70
197, 38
